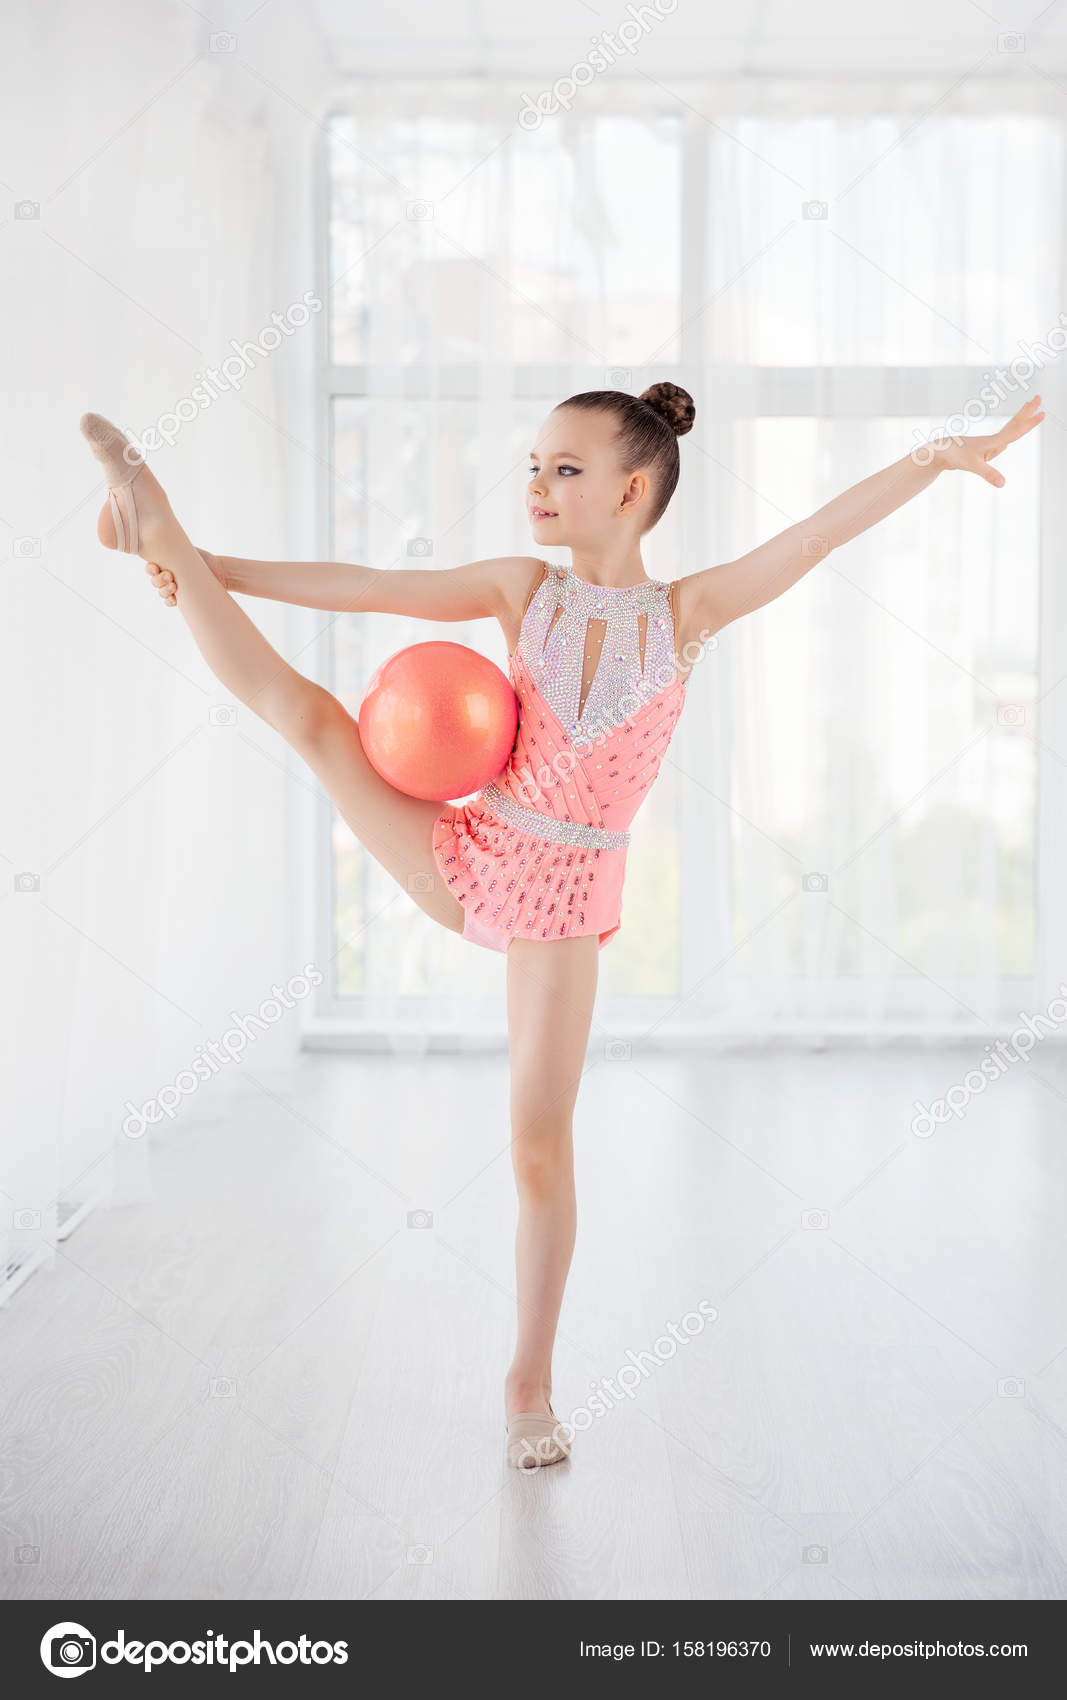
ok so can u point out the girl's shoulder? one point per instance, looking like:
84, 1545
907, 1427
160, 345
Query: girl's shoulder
542, 573
516, 579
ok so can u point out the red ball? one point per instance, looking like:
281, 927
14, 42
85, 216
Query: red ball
438, 721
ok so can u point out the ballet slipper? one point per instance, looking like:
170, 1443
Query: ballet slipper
121, 463
534, 1439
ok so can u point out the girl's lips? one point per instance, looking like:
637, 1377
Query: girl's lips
541, 513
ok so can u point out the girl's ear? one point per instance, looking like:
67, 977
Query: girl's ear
636, 488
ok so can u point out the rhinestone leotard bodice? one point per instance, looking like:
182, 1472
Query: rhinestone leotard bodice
617, 643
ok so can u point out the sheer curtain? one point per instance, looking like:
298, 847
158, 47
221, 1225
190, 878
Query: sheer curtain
144, 840
882, 762
845, 833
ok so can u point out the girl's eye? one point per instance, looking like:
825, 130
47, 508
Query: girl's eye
563, 467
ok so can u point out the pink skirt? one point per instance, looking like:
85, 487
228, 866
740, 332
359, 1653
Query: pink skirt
513, 884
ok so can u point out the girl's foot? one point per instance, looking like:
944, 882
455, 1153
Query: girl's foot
535, 1435
136, 514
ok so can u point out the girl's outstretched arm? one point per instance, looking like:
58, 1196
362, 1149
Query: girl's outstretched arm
709, 600
492, 588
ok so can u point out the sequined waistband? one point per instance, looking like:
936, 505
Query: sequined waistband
549, 827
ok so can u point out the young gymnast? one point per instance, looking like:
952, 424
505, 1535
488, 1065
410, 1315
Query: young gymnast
599, 655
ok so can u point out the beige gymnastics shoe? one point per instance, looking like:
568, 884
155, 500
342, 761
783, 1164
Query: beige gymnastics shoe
121, 462
535, 1439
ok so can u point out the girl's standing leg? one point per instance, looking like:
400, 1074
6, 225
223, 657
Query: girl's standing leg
551, 987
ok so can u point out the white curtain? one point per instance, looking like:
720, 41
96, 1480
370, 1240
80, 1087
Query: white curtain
882, 766
144, 846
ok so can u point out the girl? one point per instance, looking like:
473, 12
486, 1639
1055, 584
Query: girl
599, 655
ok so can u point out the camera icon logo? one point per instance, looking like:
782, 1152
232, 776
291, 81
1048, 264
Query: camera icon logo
222, 42
815, 1555
26, 548
420, 545
815, 1218
815, 209
420, 882
617, 1050
223, 714
1011, 714
419, 209
815, 882
420, 1555
68, 1649
420, 1218
27, 882
24, 1221
27, 209
1010, 1387
619, 378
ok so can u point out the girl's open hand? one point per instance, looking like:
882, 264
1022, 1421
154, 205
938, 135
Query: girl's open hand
973, 454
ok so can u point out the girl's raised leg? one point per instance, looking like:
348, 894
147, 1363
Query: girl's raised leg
551, 987
396, 829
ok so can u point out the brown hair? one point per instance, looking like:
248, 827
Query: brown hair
649, 426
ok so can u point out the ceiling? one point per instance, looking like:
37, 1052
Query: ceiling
716, 37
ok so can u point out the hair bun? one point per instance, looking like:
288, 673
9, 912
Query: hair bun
673, 404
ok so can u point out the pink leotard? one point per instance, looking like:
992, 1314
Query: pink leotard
541, 852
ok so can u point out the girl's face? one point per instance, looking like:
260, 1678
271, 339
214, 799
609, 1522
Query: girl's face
578, 492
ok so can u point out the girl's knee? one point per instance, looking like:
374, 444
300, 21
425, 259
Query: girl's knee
541, 1158
307, 715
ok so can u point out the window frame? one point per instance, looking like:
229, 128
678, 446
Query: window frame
824, 392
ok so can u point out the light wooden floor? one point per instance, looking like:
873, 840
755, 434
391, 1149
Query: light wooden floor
265, 1384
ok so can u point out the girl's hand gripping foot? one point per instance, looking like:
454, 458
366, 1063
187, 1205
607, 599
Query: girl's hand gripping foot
164, 582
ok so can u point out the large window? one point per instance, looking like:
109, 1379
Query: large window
845, 827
